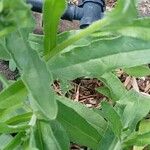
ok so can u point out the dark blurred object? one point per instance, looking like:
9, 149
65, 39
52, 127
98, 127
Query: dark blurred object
87, 11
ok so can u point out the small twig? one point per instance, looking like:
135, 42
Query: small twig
77, 93
127, 82
57, 90
135, 85
147, 88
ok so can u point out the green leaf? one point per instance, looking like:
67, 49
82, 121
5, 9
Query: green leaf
4, 140
113, 118
53, 136
138, 28
51, 20
78, 128
36, 77
4, 128
144, 126
37, 43
15, 142
118, 17
138, 139
142, 138
12, 65
13, 95
19, 119
105, 91
114, 85
3, 50
60, 135
94, 119
103, 56
134, 102
109, 142
139, 71
11, 112
124, 12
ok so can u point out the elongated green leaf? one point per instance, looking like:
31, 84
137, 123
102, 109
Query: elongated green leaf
53, 139
19, 119
51, 20
113, 118
15, 142
4, 128
36, 140
35, 76
117, 17
103, 56
139, 139
78, 129
138, 28
142, 137
139, 71
60, 135
94, 119
109, 142
114, 85
13, 95
12, 65
124, 12
134, 102
105, 91
11, 112
3, 50
37, 43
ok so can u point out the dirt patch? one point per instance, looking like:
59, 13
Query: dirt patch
4, 70
144, 8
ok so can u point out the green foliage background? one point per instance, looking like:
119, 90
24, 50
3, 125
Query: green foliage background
33, 117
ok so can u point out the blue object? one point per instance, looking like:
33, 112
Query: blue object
87, 11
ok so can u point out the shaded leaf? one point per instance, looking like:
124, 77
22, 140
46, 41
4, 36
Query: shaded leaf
139, 71
134, 102
114, 85
78, 129
96, 120
34, 69
138, 139
13, 95
109, 142
19, 119
103, 56
53, 138
3, 50
4, 139
13, 144
4, 128
113, 118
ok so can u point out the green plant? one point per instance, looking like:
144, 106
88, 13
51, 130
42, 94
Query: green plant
32, 116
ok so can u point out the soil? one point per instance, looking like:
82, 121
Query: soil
4, 70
